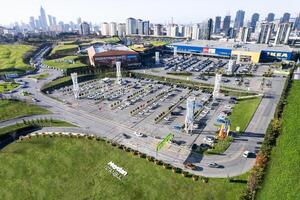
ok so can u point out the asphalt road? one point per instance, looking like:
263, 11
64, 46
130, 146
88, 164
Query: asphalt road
232, 160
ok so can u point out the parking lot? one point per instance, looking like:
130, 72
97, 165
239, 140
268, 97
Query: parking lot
150, 108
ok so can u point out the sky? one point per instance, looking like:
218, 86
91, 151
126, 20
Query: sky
157, 11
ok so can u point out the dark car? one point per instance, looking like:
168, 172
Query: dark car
214, 165
126, 136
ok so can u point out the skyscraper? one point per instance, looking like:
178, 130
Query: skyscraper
271, 17
297, 23
32, 23
43, 19
146, 25
265, 33
283, 33
50, 20
84, 28
226, 24
113, 28
139, 24
254, 20
131, 26
157, 30
217, 28
209, 28
105, 28
285, 18
244, 34
239, 19
121, 29
54, 21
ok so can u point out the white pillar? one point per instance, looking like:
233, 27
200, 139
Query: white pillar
189, 118
157, 57
119, 75
175, 51
75, 85
216, 91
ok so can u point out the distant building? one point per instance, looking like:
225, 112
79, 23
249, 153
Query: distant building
239, 19
121, 29
265, 33
283, 33
84, 28
226, 24
254, 20
195, 32
188, 32
271, 17
244, 34
105, 29
131, 26
43, 19
50, 20
285, 18
140, 28
297, 23
157, 30
174, 31
217, 28
112, 28
146, 25
208, 29
32, 23
108, 55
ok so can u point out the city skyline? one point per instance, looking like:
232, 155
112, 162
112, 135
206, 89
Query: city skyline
118, 11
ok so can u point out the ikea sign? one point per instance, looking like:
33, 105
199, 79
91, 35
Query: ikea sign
282, 55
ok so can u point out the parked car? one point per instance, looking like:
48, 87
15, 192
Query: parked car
189, 165
214, 165
248, 154
209, 139
139, 134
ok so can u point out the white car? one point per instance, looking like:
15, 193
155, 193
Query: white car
246, 154
209, 139
138, 134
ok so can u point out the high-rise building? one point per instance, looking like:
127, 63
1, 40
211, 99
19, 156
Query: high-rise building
181, 29
174, 31
271, 17
105, 29
84, 28
297, 23
146, 25
32, 23
283, 33
239, 19
54, 21
217, 28
121, 29
226, 24
157, 30
195, 32
188, 32
254, 20
265, 33
285, 18
244, 34
131, 26
79, 21
208, 29
43, 19
113, 28
140, 29
50, 20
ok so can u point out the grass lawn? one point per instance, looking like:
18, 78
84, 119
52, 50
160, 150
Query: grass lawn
220, 146
180, 73
243, 112
64, 47
10, 109
39, 76
63, 63
158, 43
282, 176
7, 86
11, 58
70, 168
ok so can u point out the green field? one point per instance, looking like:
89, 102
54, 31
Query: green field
11, 58
62, 63
158, 43
282, 176
243, 112
10, 109
7, 87
70, 168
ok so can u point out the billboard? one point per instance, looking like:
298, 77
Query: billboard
276, 55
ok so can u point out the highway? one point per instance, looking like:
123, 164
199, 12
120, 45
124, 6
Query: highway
232, 160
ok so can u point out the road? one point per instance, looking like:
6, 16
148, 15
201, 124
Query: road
232, 160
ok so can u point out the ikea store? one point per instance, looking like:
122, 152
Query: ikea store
249, 52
